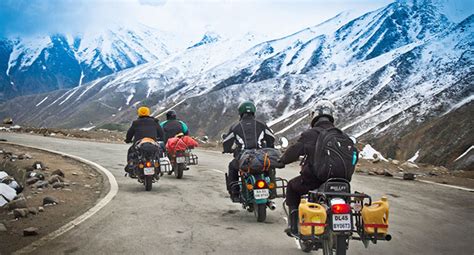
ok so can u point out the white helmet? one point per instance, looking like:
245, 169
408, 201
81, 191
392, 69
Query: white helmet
323, 108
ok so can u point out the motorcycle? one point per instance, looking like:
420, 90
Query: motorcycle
331, 216
181, 157
257, 191
178, 163
258, 187
146, 168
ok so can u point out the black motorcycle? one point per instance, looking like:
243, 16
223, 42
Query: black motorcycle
337, 217
146, 167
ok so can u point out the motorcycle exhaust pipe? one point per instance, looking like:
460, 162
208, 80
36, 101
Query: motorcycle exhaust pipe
271, 205
388, 237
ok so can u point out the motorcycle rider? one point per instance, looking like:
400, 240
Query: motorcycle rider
248, 133
143, 126
173, 126
321, 117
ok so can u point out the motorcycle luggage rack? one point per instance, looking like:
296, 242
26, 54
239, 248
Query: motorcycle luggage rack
281, 184
192, 159
165, 166
313, 195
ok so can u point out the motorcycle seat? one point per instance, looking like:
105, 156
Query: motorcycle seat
335, 185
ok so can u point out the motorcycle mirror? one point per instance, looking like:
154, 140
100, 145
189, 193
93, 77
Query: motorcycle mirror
283, 142
354, 140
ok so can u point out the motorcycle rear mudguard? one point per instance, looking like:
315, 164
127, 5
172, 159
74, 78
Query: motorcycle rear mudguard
252, 179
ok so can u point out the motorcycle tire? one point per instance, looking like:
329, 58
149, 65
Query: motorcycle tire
327, 247
306, 246
148, 181
341, 245
261, 212
179, 170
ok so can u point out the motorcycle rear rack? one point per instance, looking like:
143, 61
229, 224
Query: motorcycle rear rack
358, 197
165, 168
358, 224
191, 159
281, 184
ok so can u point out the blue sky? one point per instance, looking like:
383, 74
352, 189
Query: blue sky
187, 18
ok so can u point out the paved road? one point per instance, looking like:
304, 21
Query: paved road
194, 215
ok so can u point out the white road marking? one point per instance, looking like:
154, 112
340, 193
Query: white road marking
439, 184
68, 226
447, 185
211, 151
217, 171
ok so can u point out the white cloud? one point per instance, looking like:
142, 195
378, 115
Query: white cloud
187, 19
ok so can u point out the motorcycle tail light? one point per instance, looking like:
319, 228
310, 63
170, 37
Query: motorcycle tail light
340, 208
148, 164
260, 184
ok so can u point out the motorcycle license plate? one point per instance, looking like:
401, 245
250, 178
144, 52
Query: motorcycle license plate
180, 160
149, 170
341, 222
261, 193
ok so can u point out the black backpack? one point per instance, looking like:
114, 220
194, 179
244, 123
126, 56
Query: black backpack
335, 155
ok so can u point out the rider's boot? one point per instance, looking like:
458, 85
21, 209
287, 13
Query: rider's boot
292, 229
129, 169
235, 196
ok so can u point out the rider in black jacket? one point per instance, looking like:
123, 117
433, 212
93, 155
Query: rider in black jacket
248, 133
172, 126
144, 126
322, 117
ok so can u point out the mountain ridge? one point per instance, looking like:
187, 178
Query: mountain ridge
388, 71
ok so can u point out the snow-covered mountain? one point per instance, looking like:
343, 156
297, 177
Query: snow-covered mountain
41, 64
391, 72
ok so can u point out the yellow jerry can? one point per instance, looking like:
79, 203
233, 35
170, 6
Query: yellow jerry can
311, 215
375, 216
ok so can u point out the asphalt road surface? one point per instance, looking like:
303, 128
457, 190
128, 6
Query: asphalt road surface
195, 216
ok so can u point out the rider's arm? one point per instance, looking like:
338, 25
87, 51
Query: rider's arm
228, 142
294, 152
161, 134
184, 128
269, 137
162, 124
130, 133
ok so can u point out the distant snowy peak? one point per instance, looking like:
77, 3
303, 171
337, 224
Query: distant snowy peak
120, 49
208, 38
454, 10
40, 64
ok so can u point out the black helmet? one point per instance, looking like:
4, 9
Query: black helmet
323, 108
171, 115
247, 107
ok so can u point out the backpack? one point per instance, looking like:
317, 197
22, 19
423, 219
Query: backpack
335, 155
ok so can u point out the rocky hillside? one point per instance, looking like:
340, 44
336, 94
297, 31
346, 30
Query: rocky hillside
392, 73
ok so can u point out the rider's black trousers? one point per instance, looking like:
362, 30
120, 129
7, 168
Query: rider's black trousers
233, 176
298, 187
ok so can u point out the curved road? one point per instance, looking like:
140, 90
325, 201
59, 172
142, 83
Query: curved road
195, 216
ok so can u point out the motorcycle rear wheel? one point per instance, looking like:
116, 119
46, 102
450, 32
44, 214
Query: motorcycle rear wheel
327, 246
179, 170
341, 245
148, 181
261, 212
